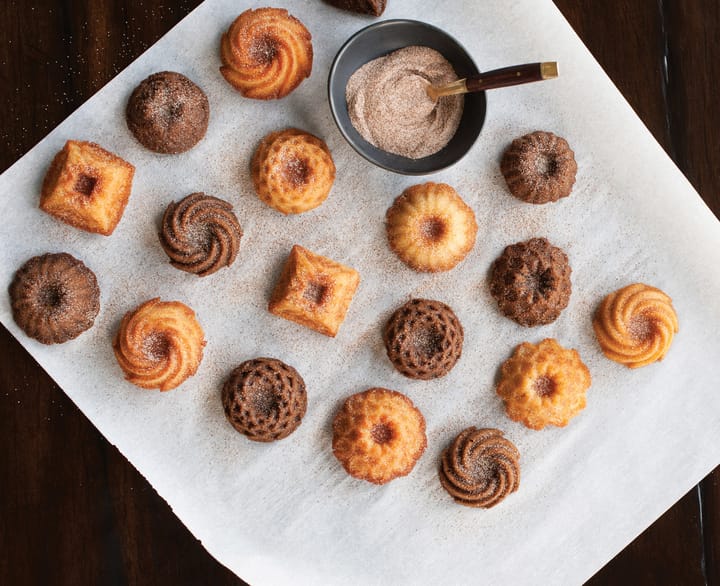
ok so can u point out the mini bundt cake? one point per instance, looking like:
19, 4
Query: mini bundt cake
531, 282
314, 291
378, 435
480, 468
264, 399
54, 298
266, 53
539, 167
168, 113
430, 227
200, 234
159, 344
87, 187
543, 384
293, 171
423, 339
635, 325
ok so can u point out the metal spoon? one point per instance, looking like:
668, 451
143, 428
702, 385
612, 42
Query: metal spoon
497, 78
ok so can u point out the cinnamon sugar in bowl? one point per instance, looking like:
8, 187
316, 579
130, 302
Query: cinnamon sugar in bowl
378, 40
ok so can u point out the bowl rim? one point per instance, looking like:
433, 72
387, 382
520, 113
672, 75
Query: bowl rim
333, 106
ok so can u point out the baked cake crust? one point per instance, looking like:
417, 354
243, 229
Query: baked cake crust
543, 384
314, 291
635, 325
87, 187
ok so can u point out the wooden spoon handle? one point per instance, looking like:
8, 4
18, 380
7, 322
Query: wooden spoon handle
514, 75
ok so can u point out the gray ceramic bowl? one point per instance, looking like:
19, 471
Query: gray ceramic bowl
384, 37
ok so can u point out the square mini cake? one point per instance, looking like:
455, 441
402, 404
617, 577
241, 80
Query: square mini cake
87, 187
314, 291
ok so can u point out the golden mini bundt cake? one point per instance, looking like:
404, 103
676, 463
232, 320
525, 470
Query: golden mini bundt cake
543, 384
159, 344
266, 53
314, 291
378, 435
430, 227
293, 171
87, 187
635, 325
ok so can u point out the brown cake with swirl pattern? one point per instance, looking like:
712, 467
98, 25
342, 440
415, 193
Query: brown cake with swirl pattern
266, 53
264, 399
480, 468
423, 339
531, 282
200, 234
54, 298
159, 344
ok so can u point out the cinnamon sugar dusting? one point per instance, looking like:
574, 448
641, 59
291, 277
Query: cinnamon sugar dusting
389, 106
641, 327
544, 386
156, 346
263, 49
382, 433
296, 171
433, 228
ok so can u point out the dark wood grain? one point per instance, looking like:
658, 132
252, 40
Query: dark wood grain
72, 509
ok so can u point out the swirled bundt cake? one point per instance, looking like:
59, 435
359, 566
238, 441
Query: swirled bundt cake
159, 344
266, 53
480, 468
200, 234
635, 325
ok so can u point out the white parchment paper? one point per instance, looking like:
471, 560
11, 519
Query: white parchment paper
287, 513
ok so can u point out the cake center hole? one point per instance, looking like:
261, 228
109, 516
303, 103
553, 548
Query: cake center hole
296, 171
540, 283
433, 229
382, 433
263, 49
52, 296
85, 184
428, 342
544, 386
641, 327
264, 400
174, 111
546, 165
156, 346
316, 292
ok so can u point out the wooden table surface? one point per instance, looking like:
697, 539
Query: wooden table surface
72, 509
